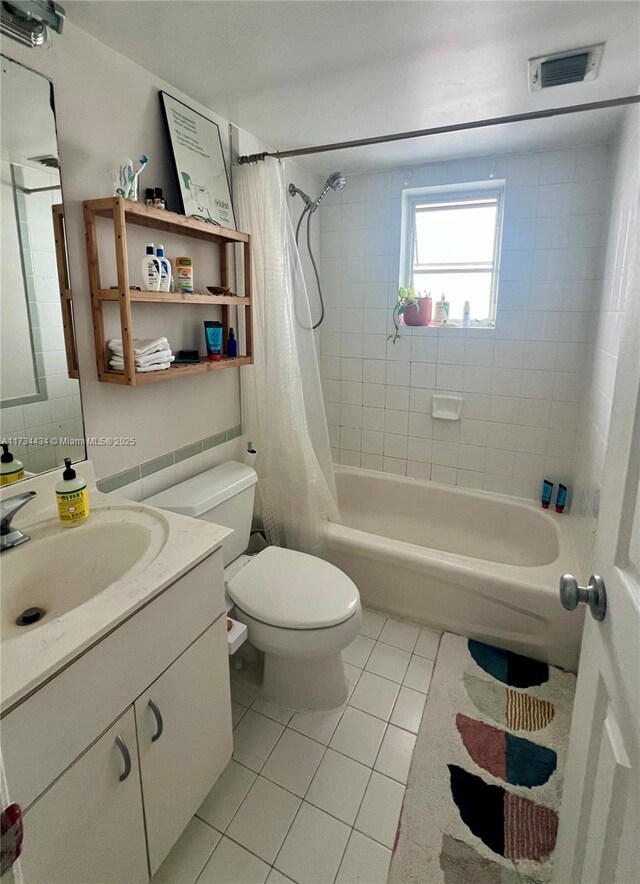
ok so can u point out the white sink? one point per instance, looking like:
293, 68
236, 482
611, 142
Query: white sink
60, 568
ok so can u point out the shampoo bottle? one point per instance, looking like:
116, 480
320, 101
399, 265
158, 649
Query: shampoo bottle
72, 497
11, 469
165, 270
151, 270
442, 309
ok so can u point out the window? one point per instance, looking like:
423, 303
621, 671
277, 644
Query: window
451, 243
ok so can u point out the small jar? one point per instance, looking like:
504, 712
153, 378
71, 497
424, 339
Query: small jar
158, 199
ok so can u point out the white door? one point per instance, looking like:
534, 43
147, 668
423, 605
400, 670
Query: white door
599, 835
88, 827
184, 737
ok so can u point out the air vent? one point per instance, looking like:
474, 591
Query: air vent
50, 161
573, 66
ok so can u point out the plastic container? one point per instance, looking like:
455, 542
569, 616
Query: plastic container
11, 469
72, 497
183, 267
165, 270
213, 340
151, 270
442, 311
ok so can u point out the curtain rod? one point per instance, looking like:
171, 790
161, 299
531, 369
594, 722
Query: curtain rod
440, 130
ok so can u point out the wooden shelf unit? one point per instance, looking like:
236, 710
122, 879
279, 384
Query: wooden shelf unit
124, 212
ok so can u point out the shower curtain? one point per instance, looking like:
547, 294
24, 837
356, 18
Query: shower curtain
282, 407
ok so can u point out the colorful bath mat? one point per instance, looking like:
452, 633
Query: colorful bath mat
482, 801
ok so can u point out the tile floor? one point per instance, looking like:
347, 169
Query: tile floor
315, 798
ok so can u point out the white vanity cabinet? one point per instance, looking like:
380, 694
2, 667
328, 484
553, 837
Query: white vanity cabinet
111, 758
89, 825
181, 730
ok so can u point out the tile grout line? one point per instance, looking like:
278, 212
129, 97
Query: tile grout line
326, 747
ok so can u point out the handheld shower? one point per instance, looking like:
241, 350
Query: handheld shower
335, 181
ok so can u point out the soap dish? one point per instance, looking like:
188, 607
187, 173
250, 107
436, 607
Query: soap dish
446, 406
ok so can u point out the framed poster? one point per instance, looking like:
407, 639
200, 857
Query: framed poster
199, 163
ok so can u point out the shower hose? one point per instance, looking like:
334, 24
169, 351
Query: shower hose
306, 212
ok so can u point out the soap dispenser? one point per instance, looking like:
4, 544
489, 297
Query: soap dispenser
11, 469
72, 496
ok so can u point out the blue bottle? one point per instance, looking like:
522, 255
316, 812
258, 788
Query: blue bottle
232, 345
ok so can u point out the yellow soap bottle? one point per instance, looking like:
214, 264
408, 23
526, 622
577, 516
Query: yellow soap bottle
11, 469
72, 497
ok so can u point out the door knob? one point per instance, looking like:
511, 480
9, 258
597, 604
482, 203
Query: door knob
593, 595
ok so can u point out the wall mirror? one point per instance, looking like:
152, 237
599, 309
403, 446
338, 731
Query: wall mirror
40, 407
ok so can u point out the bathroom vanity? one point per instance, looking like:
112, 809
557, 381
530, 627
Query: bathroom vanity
116, 711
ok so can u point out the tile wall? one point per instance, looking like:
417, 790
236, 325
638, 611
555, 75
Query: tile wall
522, 382
621, 257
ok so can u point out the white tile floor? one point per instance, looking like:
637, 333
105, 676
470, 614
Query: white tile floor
315, 798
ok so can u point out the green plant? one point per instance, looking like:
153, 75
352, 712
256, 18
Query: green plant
406, 298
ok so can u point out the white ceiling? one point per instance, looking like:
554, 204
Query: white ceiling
308, 72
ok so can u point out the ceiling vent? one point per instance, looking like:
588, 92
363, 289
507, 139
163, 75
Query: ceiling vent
573, 66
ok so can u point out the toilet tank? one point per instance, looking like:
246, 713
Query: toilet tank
223, 495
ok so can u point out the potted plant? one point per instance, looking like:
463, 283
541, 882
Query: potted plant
414, 307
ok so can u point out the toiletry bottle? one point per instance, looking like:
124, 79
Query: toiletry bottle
151, 270
148, 196
72, 496
158, 199
547, 491
441, 311
561, 498
184, 274
11, 469
466, 315
232, 345
165, 270
213, 340
446, 306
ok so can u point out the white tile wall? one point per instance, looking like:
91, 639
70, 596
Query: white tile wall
620, 257
522, 382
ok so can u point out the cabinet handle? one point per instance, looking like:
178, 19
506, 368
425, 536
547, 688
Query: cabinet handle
126, 757
159, 722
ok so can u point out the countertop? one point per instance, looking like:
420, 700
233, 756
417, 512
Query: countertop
32, 657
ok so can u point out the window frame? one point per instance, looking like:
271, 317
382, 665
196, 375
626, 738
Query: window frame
414, 196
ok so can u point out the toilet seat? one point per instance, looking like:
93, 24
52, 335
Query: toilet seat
293, 590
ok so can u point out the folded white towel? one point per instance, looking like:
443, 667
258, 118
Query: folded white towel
155, 366
141, 346
159, 356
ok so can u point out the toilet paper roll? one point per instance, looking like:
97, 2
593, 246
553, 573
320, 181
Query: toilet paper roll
250, 458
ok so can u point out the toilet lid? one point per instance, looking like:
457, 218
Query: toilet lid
294, 590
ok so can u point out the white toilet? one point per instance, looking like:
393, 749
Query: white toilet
300, 611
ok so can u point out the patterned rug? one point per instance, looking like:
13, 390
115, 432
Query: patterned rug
485, 785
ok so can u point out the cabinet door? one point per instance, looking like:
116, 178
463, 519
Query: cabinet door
88, 827
184, 737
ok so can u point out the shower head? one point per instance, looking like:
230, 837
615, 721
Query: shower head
336, 181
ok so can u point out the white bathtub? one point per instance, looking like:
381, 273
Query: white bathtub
478, 564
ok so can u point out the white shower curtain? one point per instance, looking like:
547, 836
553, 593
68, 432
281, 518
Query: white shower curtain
282, 407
